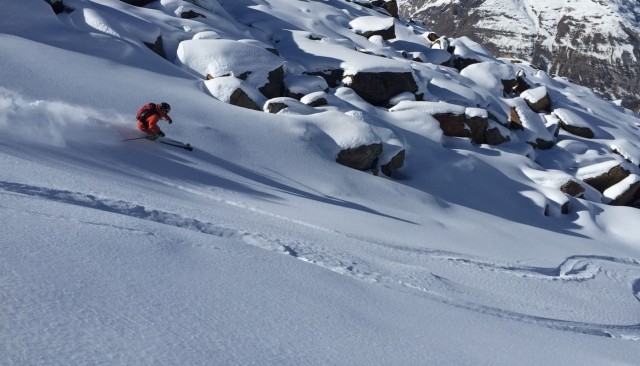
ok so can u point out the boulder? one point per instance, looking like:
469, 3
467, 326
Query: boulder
332, 77
531, 125
452, 124
297, 86
478, 127
157, 47
460, 63
492, 136
538, 99
138, 2
378, 88
191, 15
515, 123
58, 6
541, 144
317, 99
391, 6
608, 179
236, 92
363, 157
248, 61
274, 88
520, 86
241, 99
394, 164
276, 107
573, 123
585, 132
368, 26
624, 193
573, 188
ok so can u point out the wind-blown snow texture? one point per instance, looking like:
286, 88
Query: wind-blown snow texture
257, 248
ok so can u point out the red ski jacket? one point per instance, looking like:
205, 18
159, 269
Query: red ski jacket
150, 122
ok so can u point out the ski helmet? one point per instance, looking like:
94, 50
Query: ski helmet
165, 107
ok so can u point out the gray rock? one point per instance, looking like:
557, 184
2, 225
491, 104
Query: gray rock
378, 88
363, 157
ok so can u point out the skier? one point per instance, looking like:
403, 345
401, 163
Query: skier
149, 115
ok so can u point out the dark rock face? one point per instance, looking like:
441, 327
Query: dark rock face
241, 99
515, 123
579, 42
58, 6
276, 107
478, 127
452, 124
378, 87
543, 105
138, 2
332, 77
573, 188
157, 47
191, 15
395, 163
608, 179
460, 63
363, 157
578, 131
629, 197
392, 7
387, 33
493, 137
275, 87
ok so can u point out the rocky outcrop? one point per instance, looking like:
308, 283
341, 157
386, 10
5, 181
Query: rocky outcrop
363, 157
608, 179
594, 47
378, 88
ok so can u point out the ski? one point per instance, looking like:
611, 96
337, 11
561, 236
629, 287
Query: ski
164, 140
168, 141
187, 146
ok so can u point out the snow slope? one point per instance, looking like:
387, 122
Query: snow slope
257, 248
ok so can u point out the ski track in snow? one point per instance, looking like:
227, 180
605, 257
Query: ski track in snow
380, 270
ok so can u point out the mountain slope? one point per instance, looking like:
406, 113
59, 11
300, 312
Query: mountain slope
258, 247
594, 43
